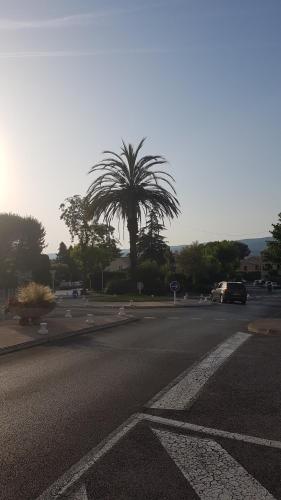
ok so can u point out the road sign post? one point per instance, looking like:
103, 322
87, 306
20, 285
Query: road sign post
174, 287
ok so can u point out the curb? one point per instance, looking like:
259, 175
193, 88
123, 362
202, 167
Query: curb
134, 307
263, 331
64, 335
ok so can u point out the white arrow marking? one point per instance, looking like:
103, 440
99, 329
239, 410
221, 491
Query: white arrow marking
185, 391
210, 470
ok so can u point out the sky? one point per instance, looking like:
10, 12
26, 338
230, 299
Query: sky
201, 79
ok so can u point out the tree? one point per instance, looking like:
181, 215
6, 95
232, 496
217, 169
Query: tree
96, 246
151, 244
192, 262
22, 240
63, 254
128, 186
228, 254
272, 254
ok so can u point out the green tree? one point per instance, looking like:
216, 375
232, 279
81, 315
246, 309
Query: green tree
272, 254
95, 244
151, 244
22, 240
129, 185
192, 262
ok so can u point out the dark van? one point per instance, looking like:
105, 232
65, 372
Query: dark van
230, 291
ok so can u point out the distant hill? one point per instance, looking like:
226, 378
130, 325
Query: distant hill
256, 246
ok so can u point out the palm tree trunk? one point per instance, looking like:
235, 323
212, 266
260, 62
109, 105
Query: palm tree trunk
133, 234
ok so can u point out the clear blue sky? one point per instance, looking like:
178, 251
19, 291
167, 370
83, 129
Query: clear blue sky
200, 78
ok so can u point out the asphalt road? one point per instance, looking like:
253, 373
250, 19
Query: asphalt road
61, 400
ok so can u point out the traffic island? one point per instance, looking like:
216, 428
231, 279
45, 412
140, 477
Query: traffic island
14, 337
267, 326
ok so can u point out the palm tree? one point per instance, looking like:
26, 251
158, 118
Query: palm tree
129, 186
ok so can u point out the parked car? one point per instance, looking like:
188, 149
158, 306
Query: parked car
259, 283
230, 291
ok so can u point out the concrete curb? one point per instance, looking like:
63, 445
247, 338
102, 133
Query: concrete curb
252, 328
135, 307
64, 335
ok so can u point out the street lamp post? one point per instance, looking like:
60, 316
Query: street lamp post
53, 274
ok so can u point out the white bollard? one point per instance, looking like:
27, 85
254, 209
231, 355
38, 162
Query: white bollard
90, 318
206, 299
122, 311
185, 296
68, 314
201, 298
43, 328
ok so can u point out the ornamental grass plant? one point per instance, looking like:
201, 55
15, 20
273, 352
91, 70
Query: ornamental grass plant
35, 294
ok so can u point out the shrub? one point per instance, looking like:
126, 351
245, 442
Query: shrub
121, 286
34, 293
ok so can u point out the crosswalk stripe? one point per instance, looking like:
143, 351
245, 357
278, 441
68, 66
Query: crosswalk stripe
210, 470
187, 389
80, 493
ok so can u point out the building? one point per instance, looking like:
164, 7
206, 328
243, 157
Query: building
119, 264
256, 264
251, 264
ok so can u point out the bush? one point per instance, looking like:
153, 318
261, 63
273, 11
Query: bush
34, 293
152, 277
121, 286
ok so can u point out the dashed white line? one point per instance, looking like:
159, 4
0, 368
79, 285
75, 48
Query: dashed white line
182, 394
210, 470
149, 317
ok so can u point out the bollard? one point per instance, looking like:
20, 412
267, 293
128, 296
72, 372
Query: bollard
185, 296
206, 299
68, 314
131, 303
90, 318
43, 328
122, 311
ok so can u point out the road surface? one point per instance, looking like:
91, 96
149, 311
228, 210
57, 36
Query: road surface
61, 400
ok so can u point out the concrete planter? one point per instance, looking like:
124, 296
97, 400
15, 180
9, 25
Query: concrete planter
31, 313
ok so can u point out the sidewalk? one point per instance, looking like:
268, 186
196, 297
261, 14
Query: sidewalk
14, 337
267, 326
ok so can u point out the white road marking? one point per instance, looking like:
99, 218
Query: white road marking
186, 426
210, 470
149, 317
63, 487
74, 474
182, 394
220, 319
79, 494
